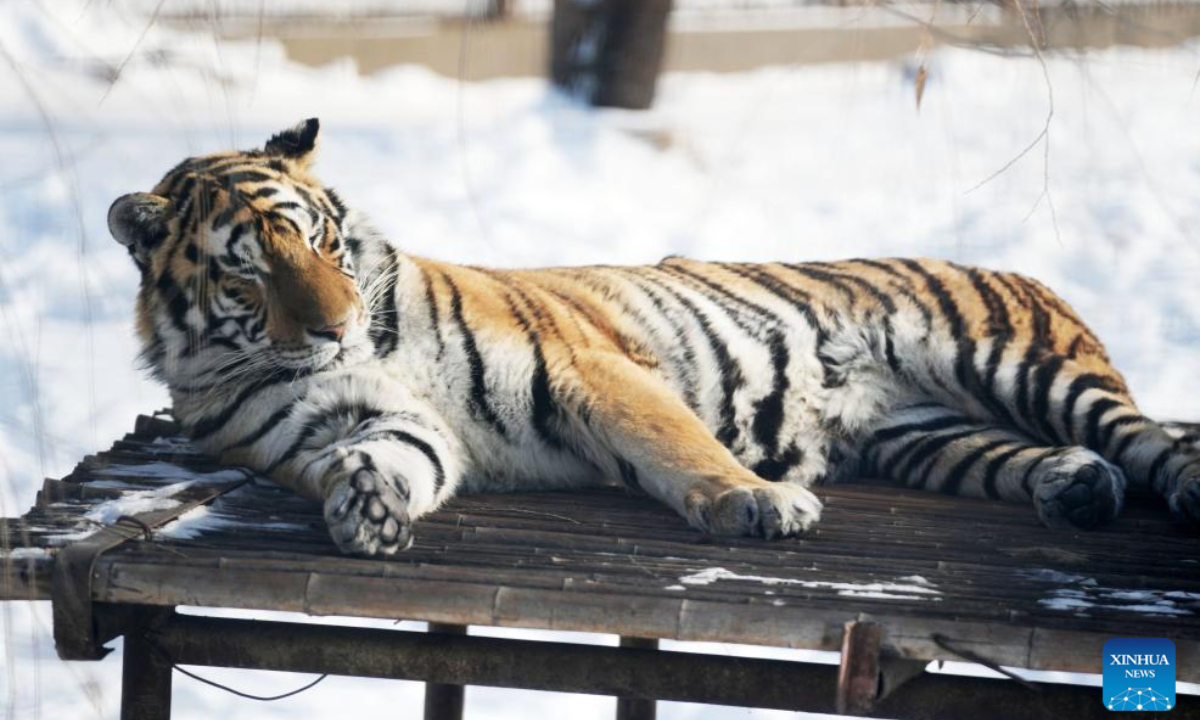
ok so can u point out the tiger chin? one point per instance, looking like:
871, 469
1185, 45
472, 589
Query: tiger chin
298, 341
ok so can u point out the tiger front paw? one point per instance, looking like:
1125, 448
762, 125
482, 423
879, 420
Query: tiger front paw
367, 514
769, 511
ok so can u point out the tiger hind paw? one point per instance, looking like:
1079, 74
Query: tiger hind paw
1078, 489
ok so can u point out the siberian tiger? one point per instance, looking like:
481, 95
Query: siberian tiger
299, 342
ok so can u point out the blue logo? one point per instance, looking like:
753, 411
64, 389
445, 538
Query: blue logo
1139, 674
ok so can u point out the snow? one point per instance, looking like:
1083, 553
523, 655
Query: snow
1087, 593
165, 470
1065, 603
25, 554
211, 518
918, 588
138, 501
1049, 575
814, 162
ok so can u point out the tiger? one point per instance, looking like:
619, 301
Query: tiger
298, 341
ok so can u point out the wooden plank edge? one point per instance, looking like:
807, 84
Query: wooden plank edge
121, 580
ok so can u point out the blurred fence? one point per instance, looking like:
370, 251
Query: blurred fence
540, 9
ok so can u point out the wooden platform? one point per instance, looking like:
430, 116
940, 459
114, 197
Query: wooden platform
943, 577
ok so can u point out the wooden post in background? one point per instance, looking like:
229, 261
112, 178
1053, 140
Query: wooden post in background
444, 702
609, 52
499, 9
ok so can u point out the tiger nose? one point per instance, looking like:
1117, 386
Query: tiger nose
330, 332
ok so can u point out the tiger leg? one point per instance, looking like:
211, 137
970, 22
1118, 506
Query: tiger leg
377, 460
1067, 404
647, 435
933, 447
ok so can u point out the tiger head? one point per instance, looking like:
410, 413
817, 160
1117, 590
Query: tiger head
245, 267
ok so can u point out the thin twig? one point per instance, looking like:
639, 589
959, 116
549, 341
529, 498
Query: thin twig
133, 50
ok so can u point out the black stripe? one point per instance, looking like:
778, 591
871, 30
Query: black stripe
208, 426
903, 286
434, 324
1028, 476
247, 176
686, 369
801, 301
1091, 432
964, 362
1156, 467
964, 359
916, 454
1129, 438
481, 408
1043, 382
775, 467
544, 409
1119, 422
999, 329
867, 286
798, 299
267, 426
628, 473
176, 302
729, 370
991, 475
282, 222
1080, 385
769, 414
359, 413
235, 234
1060, 307
889, 306
1034, 352
953, 481
385, 336
439, 472
812, 272
769, 411
888, 434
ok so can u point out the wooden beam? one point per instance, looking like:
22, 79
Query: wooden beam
442, 701
313, 585
628, 672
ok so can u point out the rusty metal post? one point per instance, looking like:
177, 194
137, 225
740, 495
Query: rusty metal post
629, 708
145, 680
858, 676
444, 702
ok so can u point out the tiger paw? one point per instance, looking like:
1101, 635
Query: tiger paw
1079, 489
770, 510
1185, 501
367, 514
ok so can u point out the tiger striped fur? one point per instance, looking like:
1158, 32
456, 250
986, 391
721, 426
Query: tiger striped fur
297, 341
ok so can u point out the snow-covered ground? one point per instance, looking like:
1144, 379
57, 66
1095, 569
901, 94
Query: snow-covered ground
788, 163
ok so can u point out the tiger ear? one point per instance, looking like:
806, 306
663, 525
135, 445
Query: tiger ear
139, 222
297, 143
